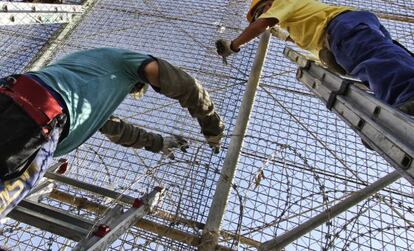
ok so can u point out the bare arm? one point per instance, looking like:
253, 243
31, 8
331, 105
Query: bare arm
152, 73
253, 30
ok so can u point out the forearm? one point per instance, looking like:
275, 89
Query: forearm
247, 35
128, 135
252, 31
177, 84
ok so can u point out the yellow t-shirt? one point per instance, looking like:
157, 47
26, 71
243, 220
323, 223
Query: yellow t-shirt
305, 20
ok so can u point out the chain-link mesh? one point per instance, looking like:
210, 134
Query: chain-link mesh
298, 159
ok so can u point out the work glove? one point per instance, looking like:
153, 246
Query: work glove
214, 142
224, 49
170, 143
212, 127
280, 33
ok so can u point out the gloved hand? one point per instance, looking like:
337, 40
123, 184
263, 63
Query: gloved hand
212, 127
225, 49
172, 142
214, 142
280, 33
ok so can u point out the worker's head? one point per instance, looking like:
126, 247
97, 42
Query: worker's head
139, 90
257, 8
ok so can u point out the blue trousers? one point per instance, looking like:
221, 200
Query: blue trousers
14, 190
364, 48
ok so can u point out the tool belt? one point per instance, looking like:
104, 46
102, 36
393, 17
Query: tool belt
36, 101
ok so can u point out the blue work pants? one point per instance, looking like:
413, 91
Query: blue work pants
364, 48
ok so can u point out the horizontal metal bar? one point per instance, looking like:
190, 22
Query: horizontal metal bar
51, 219
283, 240
395, 17
84, 204
39, 7
34, 18
385, 129
91, 188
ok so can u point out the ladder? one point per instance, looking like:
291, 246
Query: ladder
19, 13
89, 235
385, 129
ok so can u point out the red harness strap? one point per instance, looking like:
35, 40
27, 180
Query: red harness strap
36, 100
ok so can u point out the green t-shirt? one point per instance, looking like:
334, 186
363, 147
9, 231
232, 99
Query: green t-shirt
92, 83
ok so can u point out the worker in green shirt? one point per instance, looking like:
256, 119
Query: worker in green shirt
52, 111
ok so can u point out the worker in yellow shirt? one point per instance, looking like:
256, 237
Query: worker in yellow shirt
352, 42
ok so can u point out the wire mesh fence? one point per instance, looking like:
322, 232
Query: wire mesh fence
298, 159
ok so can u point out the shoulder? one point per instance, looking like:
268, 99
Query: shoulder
107, 52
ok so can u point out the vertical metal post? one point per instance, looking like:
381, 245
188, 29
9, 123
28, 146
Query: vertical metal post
281, 241
211, 231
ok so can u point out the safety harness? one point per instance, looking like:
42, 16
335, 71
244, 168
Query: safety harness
36, 100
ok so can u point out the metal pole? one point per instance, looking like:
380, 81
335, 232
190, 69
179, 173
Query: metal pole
211, 231
281, 241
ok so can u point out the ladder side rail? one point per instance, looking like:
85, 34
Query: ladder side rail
382, 140
365, 103
90, 188
118, 225
51, 219
384, 128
